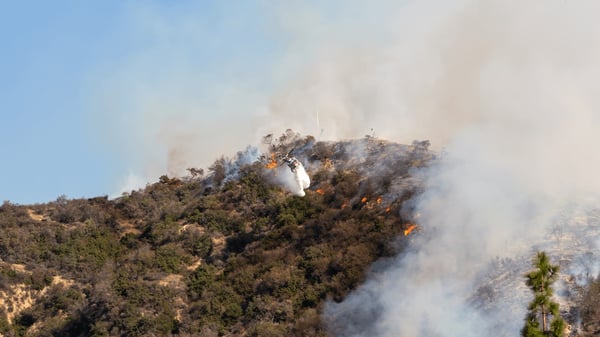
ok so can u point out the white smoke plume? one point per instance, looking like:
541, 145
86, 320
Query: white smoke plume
509, 89
302, 180
295, 181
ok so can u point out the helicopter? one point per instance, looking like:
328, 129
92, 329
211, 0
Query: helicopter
291, 161
277, 159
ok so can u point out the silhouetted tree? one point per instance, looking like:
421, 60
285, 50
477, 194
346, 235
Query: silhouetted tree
195, 172
218, 171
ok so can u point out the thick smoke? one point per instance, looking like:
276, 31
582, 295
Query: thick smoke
508, 89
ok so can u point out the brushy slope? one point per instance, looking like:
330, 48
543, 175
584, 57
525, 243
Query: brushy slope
231, 253
227, 254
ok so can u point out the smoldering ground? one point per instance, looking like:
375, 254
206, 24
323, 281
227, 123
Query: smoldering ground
508, 89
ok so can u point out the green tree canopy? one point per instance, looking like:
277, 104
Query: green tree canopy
542, 309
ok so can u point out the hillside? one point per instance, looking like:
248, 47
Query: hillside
226, 253
229, 253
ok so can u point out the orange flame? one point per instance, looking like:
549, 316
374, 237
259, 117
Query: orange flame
320, 191
409, 229
272, 163
345, 204
363, 200
388, 209
379, 200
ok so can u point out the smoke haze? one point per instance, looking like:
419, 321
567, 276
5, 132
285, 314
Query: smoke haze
508, 89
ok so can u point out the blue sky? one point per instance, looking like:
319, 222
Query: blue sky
102, 97
59, 61
48, 49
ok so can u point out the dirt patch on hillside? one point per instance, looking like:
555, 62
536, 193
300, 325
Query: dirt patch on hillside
194, 265
35, 216
127, 227
172, 281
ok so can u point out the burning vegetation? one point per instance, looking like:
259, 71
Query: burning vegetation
409, 229
273, 163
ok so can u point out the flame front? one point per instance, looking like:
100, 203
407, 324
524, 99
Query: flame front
378, 200
320, 191
409, 229
363, 200
272, 163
